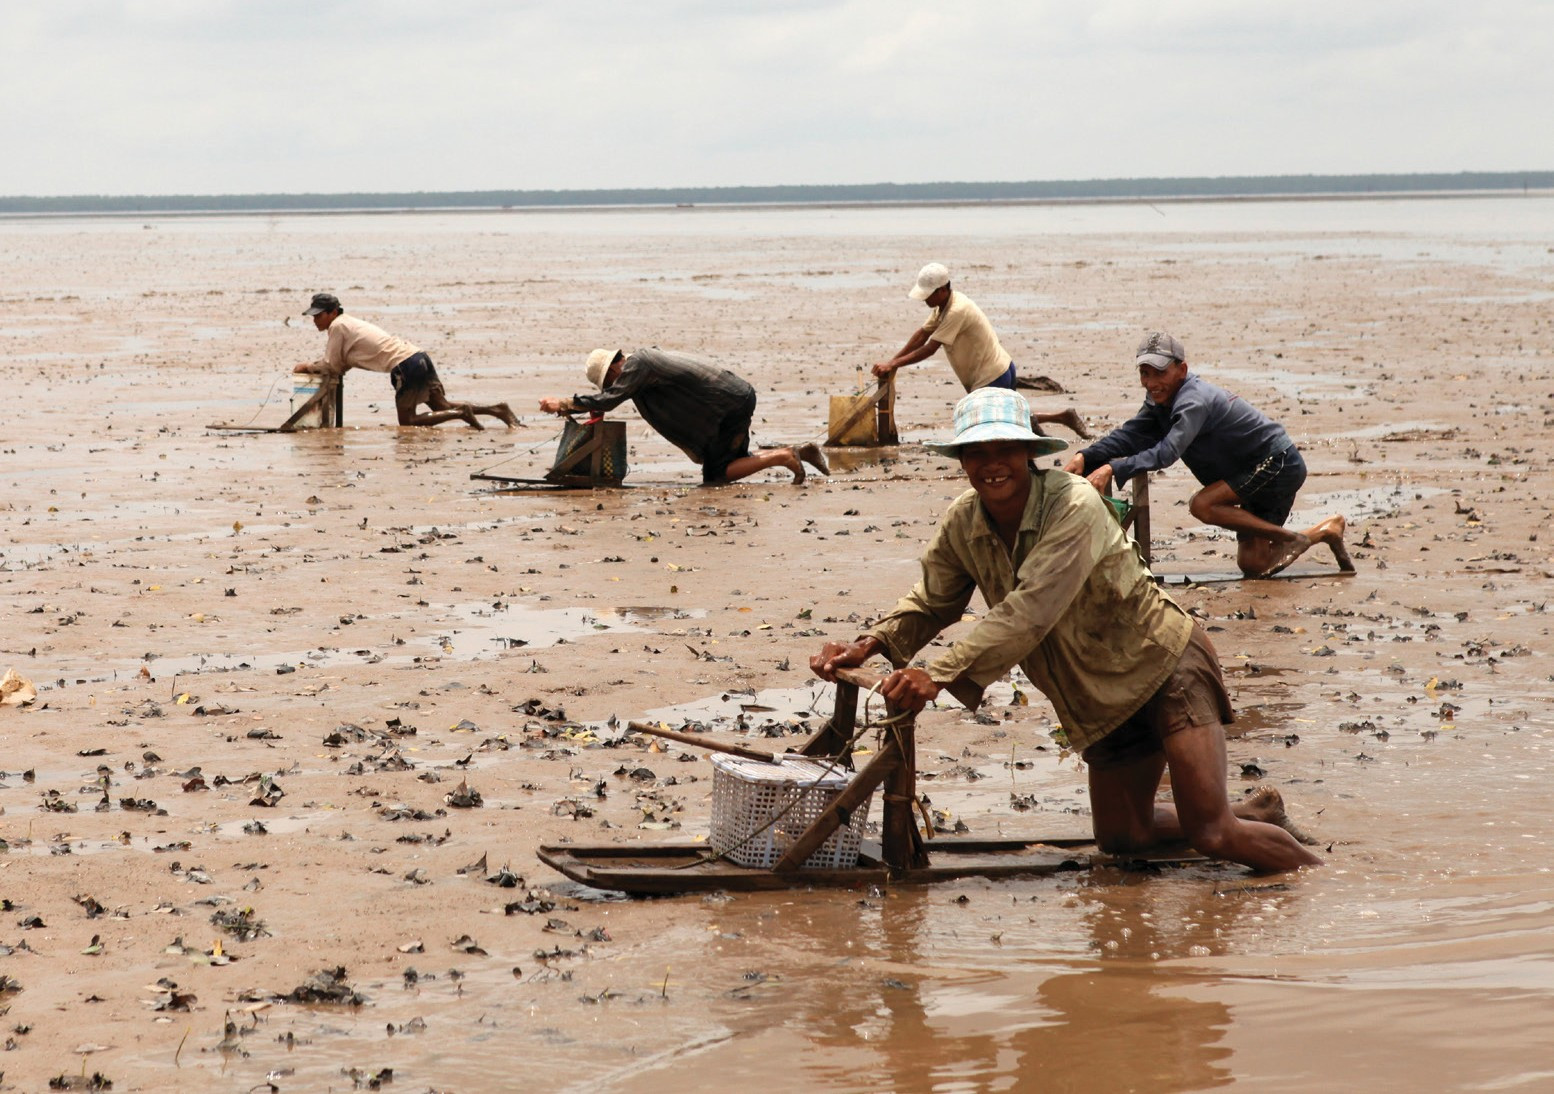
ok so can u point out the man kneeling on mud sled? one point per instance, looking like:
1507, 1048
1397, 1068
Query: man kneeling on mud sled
1132, 677
1249, 467
356, 343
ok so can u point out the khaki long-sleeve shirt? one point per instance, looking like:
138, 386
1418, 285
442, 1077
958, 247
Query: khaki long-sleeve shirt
1074, 607
356, 343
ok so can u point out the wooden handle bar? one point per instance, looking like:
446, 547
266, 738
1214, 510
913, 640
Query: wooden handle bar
716, 746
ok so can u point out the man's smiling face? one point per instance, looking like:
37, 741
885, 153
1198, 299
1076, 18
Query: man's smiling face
1161, 384
997, 470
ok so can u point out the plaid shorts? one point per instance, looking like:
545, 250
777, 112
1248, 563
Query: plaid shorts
1268, 490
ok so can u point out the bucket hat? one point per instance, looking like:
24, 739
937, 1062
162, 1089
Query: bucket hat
599, 362
995, 414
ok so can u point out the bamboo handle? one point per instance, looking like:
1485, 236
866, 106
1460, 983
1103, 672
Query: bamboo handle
716, 746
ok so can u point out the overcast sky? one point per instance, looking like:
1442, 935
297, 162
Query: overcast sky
238, 96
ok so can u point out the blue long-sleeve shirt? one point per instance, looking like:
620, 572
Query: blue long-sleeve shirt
1216, 434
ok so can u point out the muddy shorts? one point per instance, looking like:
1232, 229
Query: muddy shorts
413, 378
1193, 695
1268, 490
731, 443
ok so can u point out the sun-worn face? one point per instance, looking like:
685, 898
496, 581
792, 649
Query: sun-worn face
997, 470
1161, 384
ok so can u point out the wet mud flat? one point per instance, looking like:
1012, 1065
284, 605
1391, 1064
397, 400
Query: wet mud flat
307, 705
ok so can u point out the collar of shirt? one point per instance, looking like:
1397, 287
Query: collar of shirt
1030, 522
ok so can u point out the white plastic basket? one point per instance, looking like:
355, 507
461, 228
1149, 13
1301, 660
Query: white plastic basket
748, 794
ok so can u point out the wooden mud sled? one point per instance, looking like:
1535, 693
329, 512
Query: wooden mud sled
900, 856
323, 407
867, 420
589, 455
1134, 514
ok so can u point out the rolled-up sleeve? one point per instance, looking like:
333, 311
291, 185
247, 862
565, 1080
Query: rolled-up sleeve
938, 600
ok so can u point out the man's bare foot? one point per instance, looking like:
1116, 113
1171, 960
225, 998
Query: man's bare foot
811, 453
791, 462
1266, 804
1284, 554
469, 416
1071, 419
505, 413
1331, 532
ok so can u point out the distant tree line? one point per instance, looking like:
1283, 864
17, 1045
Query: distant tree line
1258, 186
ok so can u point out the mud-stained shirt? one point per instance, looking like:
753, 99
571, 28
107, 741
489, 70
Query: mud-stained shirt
356, 343
683, 398
975, 353
1074, 607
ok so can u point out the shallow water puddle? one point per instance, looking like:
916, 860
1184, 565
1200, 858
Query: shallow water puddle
772, 712
1298, 385
1358, 505
1396, 429
480, 631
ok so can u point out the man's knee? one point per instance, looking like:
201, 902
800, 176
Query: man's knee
1212, 837
1118, 843
1122, 835
1200, 507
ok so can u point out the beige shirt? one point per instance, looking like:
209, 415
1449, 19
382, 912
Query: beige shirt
969, 342
1074, 607
356, 343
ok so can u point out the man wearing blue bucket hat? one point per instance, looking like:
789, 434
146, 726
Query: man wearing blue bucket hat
1134, 680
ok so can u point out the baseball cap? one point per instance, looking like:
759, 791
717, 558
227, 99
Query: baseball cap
1159, 351
322, 302
930, 279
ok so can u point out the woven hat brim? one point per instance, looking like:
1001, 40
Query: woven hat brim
997, 431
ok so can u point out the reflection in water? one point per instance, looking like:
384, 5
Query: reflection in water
926, 989
1019, 1029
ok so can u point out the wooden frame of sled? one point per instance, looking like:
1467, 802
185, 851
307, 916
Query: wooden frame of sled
328, 402
589, 455
900, 856
1137, 518
843, 428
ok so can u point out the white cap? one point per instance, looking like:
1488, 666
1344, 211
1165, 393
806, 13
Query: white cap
930, 279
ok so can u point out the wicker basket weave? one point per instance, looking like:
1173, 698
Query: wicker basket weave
748, 794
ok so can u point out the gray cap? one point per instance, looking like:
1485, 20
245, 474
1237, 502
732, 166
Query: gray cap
322, 302
1160, 351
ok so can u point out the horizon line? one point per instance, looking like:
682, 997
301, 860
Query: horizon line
1135, 188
